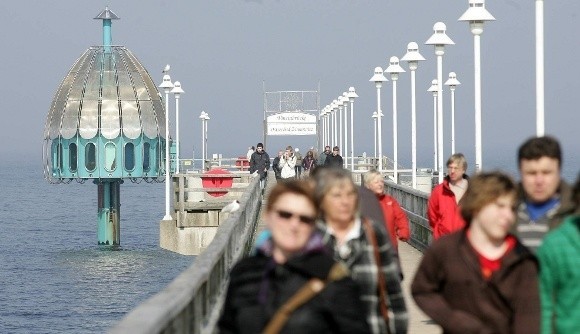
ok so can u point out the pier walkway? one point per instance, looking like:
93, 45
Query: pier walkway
192, 302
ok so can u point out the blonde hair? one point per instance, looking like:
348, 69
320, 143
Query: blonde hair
371, 176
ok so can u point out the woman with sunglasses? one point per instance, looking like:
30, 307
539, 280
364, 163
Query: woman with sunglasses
363, 247
292, 257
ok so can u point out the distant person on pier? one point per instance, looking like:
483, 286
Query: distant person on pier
361, 244
396, 221
323, 155
481, 279
544, 198
287, 164
276, 166
298, 167
334, 160
443, 211
309, 162
559, 257
292, 264
260, 163
251, 151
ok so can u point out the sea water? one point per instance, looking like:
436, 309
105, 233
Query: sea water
55, 278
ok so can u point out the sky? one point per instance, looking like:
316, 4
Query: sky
225, 52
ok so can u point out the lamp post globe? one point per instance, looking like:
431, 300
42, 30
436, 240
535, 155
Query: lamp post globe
439, 40
378, 78
413, 57
477, 15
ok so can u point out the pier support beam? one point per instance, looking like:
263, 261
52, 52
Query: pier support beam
109, 212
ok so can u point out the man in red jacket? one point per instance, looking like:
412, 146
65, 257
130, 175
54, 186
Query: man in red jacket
443, 212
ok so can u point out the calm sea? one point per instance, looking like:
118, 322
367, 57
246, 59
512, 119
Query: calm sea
55, 278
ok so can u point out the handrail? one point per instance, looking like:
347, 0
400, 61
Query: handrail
191, 303
415, 203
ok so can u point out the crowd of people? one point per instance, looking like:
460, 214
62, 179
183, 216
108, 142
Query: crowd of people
505, 256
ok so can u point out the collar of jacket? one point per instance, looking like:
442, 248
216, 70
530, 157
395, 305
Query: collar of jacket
515, 256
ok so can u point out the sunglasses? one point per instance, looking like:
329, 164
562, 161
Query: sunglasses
302, 218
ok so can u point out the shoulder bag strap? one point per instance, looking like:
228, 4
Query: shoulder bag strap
303, 295
372, 238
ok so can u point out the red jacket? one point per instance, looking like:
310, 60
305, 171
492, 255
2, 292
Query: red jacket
396, 221
443, 212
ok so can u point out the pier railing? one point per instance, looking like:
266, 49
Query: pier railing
415, 203
191, 303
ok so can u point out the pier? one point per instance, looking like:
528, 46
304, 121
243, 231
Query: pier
192, 302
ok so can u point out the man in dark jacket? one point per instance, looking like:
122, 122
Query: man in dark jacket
334, 160
276, 166
260, 163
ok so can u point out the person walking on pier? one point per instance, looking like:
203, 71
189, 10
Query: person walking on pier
276, 166
287, 163
291, 284
334, 159
443, 210
309, 162
396, 221
322, 156
260, 163
481, 279
544, 198
363, 246
299, 160
559, 257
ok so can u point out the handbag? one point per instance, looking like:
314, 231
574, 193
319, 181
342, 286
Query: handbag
372, 238
304, 294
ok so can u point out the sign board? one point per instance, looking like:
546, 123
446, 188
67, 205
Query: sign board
291, 129
291, 123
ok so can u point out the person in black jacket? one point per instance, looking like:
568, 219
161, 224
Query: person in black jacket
260, 163
334, 160
276, 166
292, 256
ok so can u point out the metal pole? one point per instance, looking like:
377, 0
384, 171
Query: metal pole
345, 146
375, 136
176, 133
477, 66
379, 127
351, 136
435, 155
413, 132
395, 153
167, 171
439, 52
539, 68
452, 119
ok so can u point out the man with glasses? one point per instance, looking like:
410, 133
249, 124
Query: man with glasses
334, 160
443, 211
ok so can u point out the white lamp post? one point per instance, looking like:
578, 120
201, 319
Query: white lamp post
439, 39
177, 91
378, 78
539, 68
167, 86
204, 118
413, 57
351, 96
394, 69
345, 143
375, 116
339, 122
452, 82
476, 15
334, 122
434, 89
